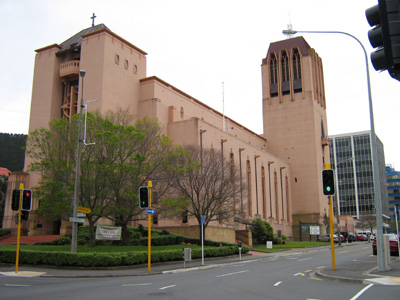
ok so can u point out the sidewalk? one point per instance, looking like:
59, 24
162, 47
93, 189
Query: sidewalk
364, 271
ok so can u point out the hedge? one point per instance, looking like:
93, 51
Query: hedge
4, 231
95, 259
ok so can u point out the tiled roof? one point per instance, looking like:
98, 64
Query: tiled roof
76, 40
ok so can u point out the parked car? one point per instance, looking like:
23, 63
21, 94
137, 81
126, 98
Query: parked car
349, 236
361, 237
327, 238
393, 244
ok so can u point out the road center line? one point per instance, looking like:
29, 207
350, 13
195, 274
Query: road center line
278, 283
167, 287
305, 258
361, 292
235, 273
136, 284
17, 285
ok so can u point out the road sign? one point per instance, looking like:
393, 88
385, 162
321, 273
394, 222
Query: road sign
151, 211
76, 220
84, 210
81, 215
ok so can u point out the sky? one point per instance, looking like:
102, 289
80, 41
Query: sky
211, 50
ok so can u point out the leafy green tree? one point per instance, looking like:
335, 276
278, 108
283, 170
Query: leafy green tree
123, 158
262, 231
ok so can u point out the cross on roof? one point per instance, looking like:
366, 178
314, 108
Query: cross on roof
93, 17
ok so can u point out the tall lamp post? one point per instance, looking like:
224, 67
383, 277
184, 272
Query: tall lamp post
377, 187
82, 73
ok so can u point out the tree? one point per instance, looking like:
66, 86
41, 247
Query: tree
138, 154
3, 190
262, 231
367, 222
123, 158
205, 185
12, 151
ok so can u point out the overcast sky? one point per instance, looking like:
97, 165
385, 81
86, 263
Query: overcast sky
197, 45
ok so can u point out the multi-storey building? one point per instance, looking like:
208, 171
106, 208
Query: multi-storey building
281, 168
393, 190
351, 157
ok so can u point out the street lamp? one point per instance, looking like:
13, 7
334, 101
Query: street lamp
377, 187
82, 73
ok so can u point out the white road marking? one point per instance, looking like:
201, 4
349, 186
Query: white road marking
235, 273
167, 287
305, 258
137, 284
361, 292
342, 252
278, 283
17, 285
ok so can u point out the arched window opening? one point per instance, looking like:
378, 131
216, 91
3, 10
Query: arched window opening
285, 73
273, 73
296, 71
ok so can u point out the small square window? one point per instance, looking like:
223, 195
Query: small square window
117, 59
126, 64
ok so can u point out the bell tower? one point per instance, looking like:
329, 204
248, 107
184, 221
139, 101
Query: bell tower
295, 123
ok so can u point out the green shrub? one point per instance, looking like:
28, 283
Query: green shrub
262, 231
4, 231
96, 259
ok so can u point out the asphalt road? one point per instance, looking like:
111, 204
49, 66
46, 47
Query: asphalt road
287, 275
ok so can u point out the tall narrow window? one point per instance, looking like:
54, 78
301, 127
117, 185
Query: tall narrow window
276, 197
285, 73
287, 198
296, 71
273, 73
263, 191
248, 170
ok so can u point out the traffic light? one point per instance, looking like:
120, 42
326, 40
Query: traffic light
26, 200
143, 197
15, 200
385, 36
328, 182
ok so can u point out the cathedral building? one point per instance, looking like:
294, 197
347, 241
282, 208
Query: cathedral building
281, 168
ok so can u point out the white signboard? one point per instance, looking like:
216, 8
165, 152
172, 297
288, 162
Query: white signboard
314, 230
108, 233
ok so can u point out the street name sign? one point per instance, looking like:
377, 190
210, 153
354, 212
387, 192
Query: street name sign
76, 220
151, 211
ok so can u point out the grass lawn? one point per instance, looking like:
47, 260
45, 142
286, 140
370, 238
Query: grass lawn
288, 246
67, 248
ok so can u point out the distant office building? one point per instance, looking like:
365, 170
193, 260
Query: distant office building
393, 190
351, 157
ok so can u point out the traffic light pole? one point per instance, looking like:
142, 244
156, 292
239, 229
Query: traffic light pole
21, 188
149, 185
377, 186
